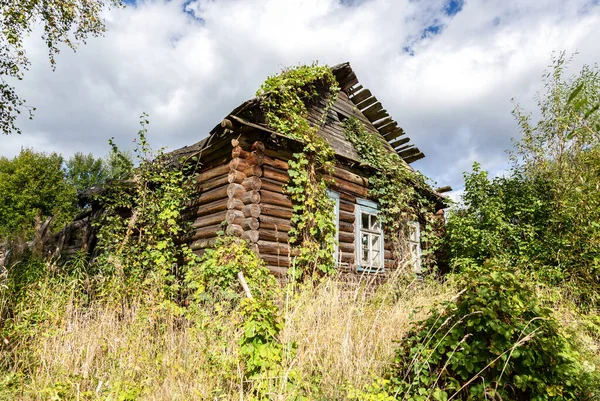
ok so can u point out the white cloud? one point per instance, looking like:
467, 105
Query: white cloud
452, 97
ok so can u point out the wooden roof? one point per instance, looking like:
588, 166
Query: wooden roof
353, 100
373, 111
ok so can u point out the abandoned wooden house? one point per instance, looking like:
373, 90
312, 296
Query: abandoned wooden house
243, 171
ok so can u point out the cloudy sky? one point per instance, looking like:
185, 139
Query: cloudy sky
446, 70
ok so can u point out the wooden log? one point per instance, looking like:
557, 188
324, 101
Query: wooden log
272, 235
344, 236
276, 211
346, 257
274, 198
276, 260
278, 271
251, 235
234, 217
347, 206
389, 264
251, 197
271, 185
237, 163
258, 145
210, 219
212, 195
387, 254
346, 216
235, 230
253, 171
345, 247
206, 232
236, 177
252, 184
213, 207
239, 152
346, 227
235, 191
275, 223
347, 186
225, 123
235, 204
203, 243
347, 198
275, 163
205, 186
340, 172
279, 153
252, 210
275, 248
255, 158
250, 223
212, 173
275, 174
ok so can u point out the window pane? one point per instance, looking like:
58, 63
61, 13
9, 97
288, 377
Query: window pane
365, 220
364, 250
375, 241
375, 250
374, 223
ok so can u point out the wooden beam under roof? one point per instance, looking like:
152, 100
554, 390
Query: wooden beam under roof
360, 96
409, 152
378, 115
414, 158
386, 129
354, 89
383, 122
364, 104
398, 132
399, 142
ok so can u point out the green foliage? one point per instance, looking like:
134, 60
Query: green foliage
85, 171
493, 341
543, 216
67, 22
213, 283
503, 217
139, 230
399, 191
33, 186
285, 100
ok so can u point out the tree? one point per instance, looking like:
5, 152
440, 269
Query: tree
85, 171
33, 185
543, 217
68, 22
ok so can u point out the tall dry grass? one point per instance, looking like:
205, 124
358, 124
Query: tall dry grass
343, 332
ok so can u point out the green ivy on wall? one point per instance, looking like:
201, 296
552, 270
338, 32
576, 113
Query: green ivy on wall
399, 191
285, 98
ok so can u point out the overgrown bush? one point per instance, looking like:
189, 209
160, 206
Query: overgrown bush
494, 341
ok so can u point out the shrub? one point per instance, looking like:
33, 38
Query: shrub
494, 341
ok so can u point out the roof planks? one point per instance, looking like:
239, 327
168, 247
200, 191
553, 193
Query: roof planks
372, 109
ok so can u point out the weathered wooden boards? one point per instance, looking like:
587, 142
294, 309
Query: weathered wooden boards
370, 111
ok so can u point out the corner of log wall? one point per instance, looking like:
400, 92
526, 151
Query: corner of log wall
244, 177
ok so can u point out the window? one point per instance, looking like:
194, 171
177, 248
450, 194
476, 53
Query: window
369, 237
335, 197
414, 245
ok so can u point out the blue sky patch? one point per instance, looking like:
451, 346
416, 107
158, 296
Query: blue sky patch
453, 7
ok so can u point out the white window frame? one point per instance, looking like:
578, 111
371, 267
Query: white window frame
335, 197
414, 245
364, 206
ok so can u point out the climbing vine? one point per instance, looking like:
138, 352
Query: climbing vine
285, 99
398, 189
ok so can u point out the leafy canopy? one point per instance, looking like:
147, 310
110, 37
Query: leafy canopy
33, 185
67, 22
543, 215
